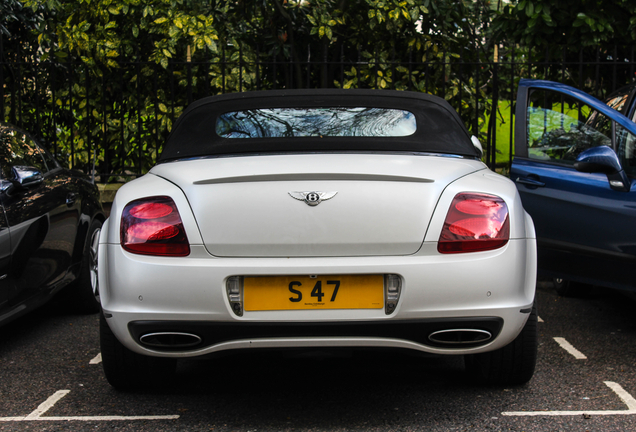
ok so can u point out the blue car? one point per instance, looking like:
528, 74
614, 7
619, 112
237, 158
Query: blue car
574, 166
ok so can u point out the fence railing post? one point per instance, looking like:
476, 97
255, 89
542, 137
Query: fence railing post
1, 77
491, 145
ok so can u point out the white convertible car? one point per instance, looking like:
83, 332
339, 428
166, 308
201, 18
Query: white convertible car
318, 218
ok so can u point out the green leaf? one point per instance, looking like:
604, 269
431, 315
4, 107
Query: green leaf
173, 32
530, 8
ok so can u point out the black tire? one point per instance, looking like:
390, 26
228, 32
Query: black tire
127, 370
83, 294
511, 365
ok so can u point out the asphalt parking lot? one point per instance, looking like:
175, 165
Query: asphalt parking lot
51, 379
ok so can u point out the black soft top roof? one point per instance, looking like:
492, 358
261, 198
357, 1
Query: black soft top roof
439, 128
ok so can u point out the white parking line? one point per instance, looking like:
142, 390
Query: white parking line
539, 319
97, 359
625, 397
48, 404
569, 348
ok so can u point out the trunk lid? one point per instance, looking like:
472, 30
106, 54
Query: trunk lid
259, 206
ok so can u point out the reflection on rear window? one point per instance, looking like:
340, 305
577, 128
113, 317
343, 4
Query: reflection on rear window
316, 122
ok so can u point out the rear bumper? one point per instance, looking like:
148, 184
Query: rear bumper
169, 336
142, 295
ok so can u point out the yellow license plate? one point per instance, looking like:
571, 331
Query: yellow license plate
320, 292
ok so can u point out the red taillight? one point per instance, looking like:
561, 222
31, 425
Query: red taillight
475, 222
153, 226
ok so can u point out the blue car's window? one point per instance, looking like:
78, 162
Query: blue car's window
316, 122
560, 128
617, 101
626, 145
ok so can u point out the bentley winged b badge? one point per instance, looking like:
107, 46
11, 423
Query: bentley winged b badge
312, 198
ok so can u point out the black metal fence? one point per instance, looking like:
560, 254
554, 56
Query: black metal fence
115, 120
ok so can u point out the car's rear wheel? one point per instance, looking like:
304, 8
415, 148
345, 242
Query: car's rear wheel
83, 294
127, 370
511, 365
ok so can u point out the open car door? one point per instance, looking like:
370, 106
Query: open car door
574, 166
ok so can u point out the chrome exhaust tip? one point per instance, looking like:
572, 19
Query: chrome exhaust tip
171, 340
460, 337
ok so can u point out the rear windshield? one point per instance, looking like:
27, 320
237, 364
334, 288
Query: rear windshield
316, 122
307, 121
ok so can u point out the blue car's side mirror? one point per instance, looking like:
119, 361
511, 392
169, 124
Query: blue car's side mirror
604, 160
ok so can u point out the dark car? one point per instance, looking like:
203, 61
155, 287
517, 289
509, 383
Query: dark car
574, 166
50, 220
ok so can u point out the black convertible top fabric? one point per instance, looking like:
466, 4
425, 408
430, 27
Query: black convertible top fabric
439, 128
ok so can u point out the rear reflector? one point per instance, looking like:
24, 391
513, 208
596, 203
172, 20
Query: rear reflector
153, 226
475, 222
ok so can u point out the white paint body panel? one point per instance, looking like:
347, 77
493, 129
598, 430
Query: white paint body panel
498, 283
382, 207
